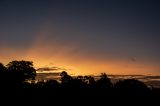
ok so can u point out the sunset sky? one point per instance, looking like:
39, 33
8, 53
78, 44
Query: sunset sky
83, 36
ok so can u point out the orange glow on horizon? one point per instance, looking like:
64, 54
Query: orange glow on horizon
81, 66
45, 54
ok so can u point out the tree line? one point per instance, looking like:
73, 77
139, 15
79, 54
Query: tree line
17, 84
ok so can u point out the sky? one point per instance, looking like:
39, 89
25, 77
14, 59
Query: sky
83, 36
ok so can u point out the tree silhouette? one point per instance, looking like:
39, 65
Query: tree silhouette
131, 87
3, 74
21, 70
2, 67
2, 70
104, 82
51, 84
14, 86
65, 78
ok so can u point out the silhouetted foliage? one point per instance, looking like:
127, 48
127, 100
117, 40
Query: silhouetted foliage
90, 81
21, 70
87, 88
3, 73
131, 87
65, 78
2, 68
51, 84
104, 82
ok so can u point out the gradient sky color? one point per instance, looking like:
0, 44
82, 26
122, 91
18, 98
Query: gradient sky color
83, 36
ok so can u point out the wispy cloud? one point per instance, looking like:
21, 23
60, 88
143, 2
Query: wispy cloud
50, 69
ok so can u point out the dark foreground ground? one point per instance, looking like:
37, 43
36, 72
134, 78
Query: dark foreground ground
27, 94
